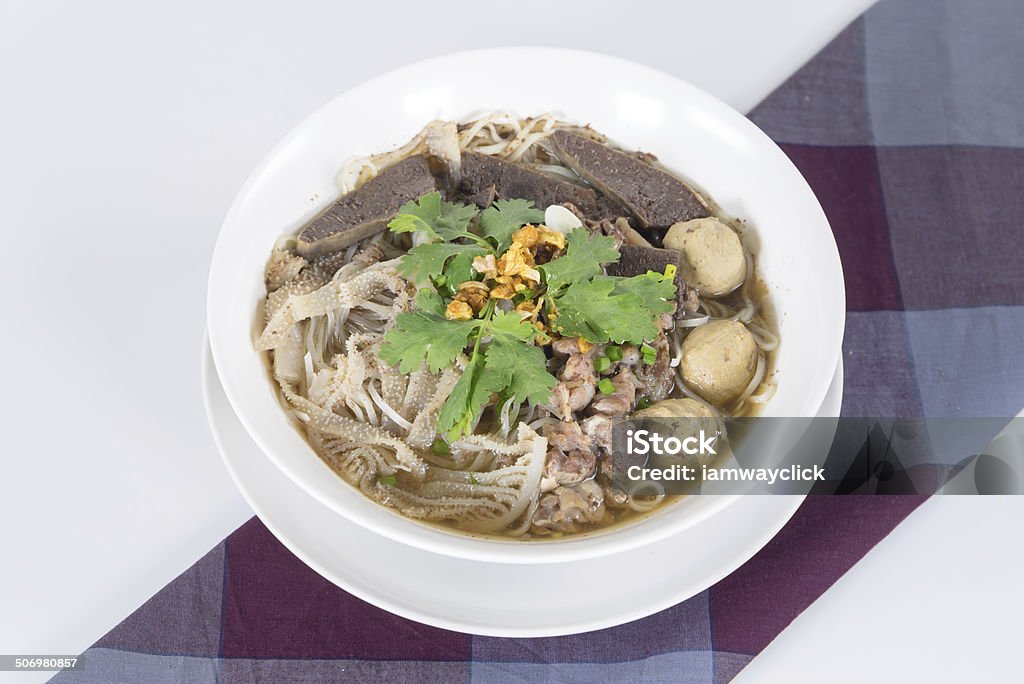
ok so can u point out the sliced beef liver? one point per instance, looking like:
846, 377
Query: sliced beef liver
368, 209
655, 198
636, 260
486, 178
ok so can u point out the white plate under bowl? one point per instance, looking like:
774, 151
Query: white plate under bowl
693, 133
458, 594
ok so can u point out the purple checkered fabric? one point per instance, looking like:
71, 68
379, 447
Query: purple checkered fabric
909, 128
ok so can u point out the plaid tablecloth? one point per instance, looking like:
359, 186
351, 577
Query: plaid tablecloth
909, 126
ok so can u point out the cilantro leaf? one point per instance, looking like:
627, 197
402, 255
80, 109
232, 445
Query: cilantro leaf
508, 364
418, 215
591, 310
505, 217
460, 268
454, 220
510, 326
411, 223
423, 334
656, 290
582, 260
438, 219
463, 407
518, 368
423, 262
430, 301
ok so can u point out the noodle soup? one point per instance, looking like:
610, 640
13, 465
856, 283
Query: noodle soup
458, 332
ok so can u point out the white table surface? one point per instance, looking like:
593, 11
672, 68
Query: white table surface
125, 131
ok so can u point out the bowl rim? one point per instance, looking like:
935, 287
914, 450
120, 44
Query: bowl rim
439, 540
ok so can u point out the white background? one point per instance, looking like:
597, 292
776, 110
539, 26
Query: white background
126, 129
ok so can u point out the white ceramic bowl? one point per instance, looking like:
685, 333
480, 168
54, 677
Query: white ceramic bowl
691, 132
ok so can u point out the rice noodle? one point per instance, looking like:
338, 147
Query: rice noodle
527, 519
506, 416
388, 411
500, 134
766, 340
692, 321
482, 461
644, 506
690, 394
541, 422
677, 350
762, 397
754, 383
560, 172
